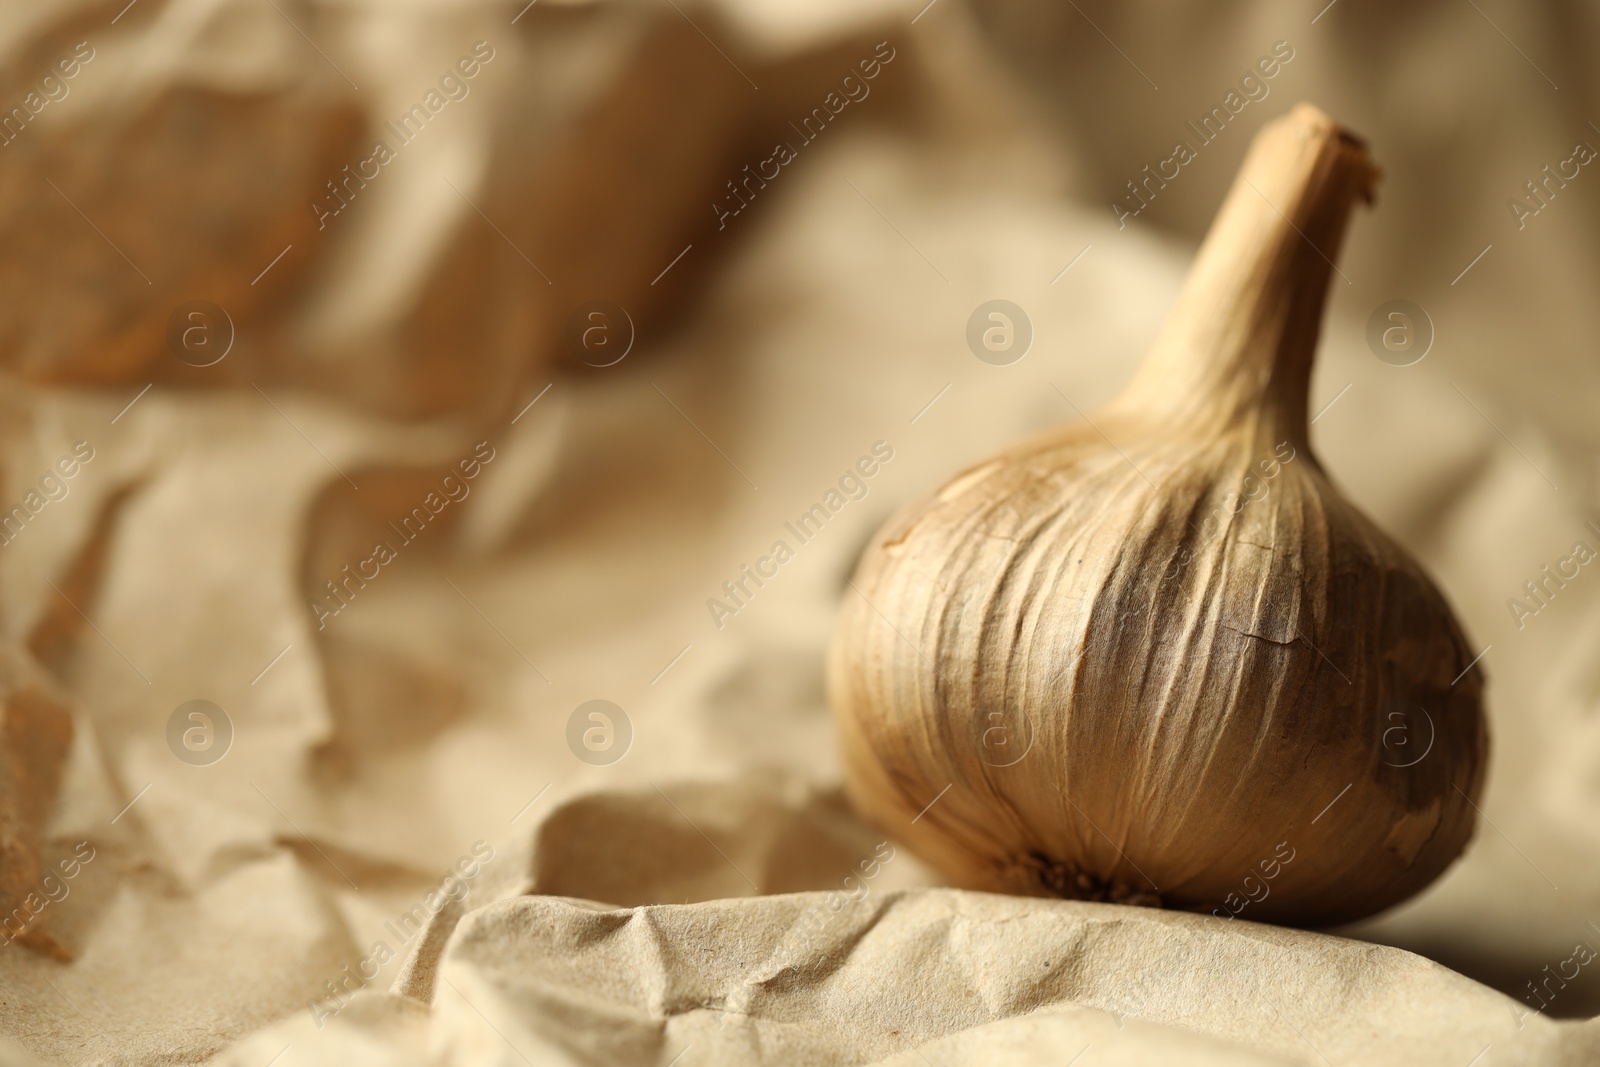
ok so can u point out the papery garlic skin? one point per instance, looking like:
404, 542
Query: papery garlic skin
1146, 649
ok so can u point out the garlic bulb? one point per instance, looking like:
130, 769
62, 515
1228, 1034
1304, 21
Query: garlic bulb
1154, 656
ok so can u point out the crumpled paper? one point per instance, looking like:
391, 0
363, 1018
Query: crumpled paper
407, 852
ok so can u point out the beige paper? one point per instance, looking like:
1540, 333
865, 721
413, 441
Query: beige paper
691, 902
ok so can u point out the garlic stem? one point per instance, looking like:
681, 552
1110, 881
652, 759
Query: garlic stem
1237, 348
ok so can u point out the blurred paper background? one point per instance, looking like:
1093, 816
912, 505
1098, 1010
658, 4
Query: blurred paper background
276, 344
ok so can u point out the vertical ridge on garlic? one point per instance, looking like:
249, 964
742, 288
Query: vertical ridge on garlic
1154, 652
